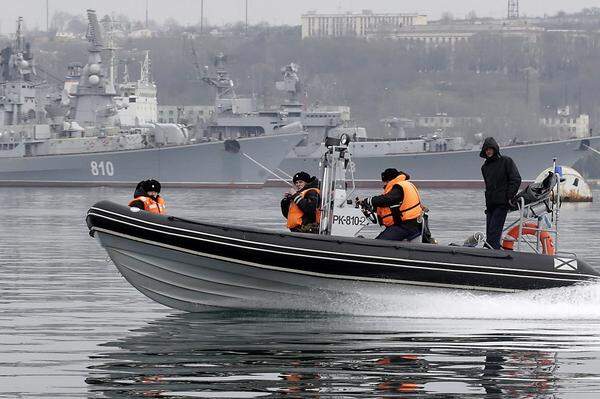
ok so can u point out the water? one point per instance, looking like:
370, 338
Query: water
72, 327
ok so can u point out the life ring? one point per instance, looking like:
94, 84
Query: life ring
529, 229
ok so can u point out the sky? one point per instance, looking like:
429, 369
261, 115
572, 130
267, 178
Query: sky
276, 12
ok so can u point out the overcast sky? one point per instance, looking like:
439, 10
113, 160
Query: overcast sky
272, 11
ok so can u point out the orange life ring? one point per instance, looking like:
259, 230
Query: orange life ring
529, 229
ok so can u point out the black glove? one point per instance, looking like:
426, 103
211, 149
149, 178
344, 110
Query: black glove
365, 204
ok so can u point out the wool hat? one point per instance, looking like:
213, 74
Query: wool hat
305, 177
151, 185
389, 174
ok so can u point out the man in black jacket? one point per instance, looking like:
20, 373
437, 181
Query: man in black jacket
502, 182
301, 205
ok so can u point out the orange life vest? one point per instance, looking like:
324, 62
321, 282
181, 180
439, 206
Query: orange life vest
295, 213
150, 205
409, 209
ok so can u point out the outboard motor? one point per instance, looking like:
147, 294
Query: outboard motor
537, 193
538, 207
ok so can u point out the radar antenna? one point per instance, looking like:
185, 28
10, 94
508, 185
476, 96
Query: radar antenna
94, 34
146, 68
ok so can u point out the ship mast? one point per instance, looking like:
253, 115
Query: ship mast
145, 68
109, 28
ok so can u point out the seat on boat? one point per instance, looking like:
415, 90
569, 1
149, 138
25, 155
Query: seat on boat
536, 192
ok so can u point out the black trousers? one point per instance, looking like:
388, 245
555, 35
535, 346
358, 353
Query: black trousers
399, 233
495, 218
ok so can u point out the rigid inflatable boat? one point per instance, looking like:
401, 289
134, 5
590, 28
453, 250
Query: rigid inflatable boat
192, 265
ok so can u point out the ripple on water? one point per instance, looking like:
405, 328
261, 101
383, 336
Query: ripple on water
71, 326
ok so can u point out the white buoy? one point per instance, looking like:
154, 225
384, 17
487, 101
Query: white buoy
573, 187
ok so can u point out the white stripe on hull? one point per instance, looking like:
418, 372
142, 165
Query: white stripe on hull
293, 251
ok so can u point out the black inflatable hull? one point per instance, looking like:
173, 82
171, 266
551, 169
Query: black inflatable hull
188, 265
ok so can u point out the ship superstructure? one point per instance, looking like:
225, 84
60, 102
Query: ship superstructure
98, 132
238, 116
434, 158
17, 89
94, 106
138, 105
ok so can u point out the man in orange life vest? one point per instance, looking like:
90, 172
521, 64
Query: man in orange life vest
301, 205
399, 209
147, 198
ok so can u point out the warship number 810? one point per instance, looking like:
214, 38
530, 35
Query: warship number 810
102, 168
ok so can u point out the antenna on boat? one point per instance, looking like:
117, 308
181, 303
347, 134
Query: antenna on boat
557, 201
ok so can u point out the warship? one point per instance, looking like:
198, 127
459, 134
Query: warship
99, 133
432, 160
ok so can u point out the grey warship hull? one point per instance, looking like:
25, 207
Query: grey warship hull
455, 168
195, 165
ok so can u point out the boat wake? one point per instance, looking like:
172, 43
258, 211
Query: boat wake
564, 303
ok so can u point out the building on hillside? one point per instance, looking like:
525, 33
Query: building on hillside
437, 34
353, 24
566, 126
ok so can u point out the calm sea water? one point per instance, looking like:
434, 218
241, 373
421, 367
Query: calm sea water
72, 327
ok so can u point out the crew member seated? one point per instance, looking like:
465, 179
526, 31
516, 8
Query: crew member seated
301, 204
399, 209
147, 198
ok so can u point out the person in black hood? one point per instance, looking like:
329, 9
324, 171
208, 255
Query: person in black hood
502, 182
301, 205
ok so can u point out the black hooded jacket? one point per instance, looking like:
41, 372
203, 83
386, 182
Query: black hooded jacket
308, 205
501, 176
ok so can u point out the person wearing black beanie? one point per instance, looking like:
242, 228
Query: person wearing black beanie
300, 206
146, 197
